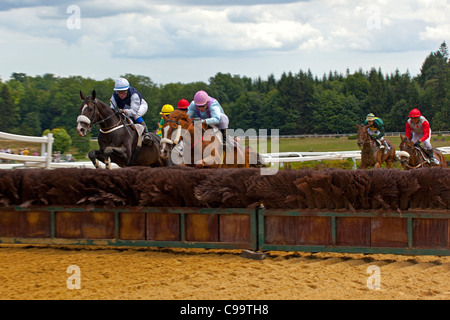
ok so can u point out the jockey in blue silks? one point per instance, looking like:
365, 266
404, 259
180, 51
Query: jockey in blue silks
130, 101
210, 111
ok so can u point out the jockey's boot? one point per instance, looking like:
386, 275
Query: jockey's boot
380, 145
146, 138
432, 157
387, 146
224, 139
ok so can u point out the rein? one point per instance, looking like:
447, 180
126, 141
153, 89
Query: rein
113, 128
368, 139
414, 152
98, 123
177, 138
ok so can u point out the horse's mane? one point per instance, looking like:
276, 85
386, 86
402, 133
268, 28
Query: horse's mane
405, 140
90, 98
179, 115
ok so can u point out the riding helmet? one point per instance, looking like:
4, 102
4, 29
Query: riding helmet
121, 84
201, 98
415, 113
166, 109
183, 104
370, 117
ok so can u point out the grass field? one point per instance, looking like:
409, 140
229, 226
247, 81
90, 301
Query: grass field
339, 144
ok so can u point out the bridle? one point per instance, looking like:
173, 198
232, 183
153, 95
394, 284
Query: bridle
179, 135
92, 121
366, 138
412, 151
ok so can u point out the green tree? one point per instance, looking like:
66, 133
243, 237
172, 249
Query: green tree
296, 93
9, 115
244, 112
376, 95
396, 121
62, 140
357, 84
226, 88
82, 144
333, 112
31, 125
435, 77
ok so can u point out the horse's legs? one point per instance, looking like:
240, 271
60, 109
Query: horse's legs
118, 154
94, 156
441, 158
108, 163
389, 163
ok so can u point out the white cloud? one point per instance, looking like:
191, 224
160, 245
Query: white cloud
438, 33
141, 35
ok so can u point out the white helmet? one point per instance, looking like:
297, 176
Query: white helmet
121, 84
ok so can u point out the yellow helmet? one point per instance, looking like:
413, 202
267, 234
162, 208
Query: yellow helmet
166, 109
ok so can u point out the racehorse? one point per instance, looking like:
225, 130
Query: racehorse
371, 154
118, 138
201, 146
413, 157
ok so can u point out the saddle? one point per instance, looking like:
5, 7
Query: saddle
139, 129
424, 153
230, 143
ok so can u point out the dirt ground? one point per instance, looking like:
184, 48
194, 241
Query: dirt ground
34, 272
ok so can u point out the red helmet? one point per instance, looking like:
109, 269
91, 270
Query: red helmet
183, 104
415, 113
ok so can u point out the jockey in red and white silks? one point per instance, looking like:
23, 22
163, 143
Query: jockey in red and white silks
418, 130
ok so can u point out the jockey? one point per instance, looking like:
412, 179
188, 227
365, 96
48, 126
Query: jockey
376, 131
130, 101
210, 112
418, 130
165, 110
183, 105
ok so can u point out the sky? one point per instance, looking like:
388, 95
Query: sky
186, 41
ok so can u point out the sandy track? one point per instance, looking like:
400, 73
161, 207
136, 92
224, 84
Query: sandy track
129, 273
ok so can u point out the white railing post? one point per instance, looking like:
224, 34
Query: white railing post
49, 150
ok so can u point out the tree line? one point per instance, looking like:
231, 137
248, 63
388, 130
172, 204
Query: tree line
296, 103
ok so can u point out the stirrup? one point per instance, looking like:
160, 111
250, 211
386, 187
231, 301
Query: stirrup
434, 160
146, 138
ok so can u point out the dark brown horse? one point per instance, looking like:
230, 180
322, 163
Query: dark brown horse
201, 146
118, 137
371, 154
413, 157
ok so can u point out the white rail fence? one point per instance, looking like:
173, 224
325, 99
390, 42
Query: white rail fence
267, 158
288, 157
30, 161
